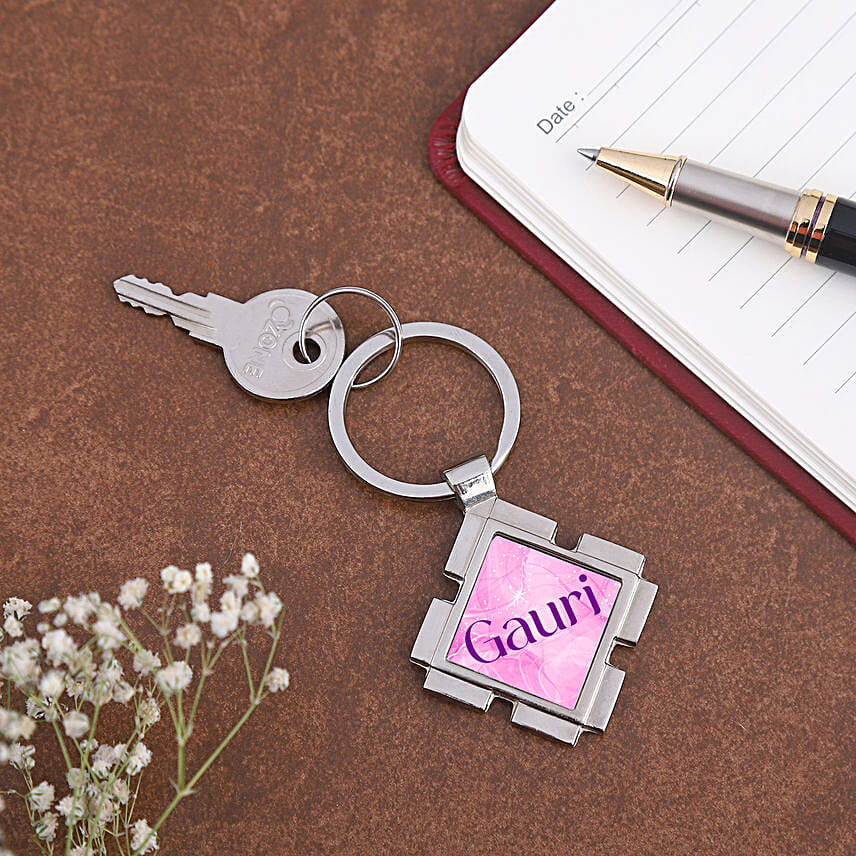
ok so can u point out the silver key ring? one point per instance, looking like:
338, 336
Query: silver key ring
380, 342
363, 292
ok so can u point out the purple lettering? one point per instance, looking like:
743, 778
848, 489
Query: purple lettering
536, 620
522, 625
501, 652
587, 589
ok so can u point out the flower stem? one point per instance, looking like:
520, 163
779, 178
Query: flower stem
188, 789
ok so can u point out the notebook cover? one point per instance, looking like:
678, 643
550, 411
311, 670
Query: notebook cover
444, 162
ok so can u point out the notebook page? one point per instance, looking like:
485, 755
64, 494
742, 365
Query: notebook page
763, 87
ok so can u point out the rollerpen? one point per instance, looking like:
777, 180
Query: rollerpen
813, 225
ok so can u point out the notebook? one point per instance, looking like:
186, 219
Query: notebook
763, 87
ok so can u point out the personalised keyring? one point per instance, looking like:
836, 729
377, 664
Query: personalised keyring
532, 623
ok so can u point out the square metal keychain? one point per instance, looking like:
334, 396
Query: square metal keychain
532, 622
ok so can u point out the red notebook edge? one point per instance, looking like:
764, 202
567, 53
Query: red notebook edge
443, 157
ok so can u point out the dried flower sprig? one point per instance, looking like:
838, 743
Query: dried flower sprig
85, 656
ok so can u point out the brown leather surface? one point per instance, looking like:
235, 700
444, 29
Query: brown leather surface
239, 146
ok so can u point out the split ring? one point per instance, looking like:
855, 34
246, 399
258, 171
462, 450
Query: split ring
380, 342
363, 292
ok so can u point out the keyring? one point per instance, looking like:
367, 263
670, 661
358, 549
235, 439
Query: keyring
380, 342
363, 292
531, 622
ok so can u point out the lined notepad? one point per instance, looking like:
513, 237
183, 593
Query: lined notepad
763, 87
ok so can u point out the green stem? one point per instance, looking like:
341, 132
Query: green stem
199, 773
243, 644
61, 740
84, 764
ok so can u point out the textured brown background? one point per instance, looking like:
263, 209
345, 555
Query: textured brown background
243, 145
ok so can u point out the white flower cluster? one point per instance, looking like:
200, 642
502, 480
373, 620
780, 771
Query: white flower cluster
86, 655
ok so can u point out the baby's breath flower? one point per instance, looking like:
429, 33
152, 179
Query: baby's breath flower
270, 607
224, 623
13, 626
59, 646
201, 612
17, 607
103, 760
20, 662
188, 636
75, 723
277, 680
51, 685
14, 726
72, 810
148, 713
76, 778
35, 708
146, 662
238, 584
78, 609
64, 669
121, 791
132, 593
176, 581
143, 839
250, 612
46, 827
41, 797
49, 606
139, 758
22, 756
174, 678
249, 565
230, 601
107, 633
123, 692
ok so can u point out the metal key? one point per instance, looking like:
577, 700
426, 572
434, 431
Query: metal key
258, 338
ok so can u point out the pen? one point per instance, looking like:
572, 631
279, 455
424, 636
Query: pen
813, 225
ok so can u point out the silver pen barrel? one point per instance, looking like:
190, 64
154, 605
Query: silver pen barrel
765, 210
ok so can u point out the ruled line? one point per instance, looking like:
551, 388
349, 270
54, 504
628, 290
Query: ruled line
845, 383
737, 76
696, 59
829, 158
763, 285
785, 85
802, 305
693, 238
722, 92
634, 48
769, 102
722, 266
804, 125
601, 97
831, 337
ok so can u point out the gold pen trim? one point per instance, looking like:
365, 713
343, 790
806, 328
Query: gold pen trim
656, 175
808, 226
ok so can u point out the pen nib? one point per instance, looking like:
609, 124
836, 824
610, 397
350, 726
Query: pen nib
591, 154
